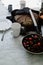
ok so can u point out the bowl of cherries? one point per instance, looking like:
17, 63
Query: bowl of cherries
33, 43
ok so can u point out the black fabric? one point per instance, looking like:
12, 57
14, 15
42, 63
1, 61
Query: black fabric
19, 11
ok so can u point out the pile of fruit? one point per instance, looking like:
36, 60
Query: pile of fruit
33, 43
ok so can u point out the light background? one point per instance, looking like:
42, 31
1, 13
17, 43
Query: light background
29, 3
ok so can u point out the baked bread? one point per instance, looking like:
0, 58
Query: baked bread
25, 19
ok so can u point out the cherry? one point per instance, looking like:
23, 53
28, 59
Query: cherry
35, 36
30, 38
31, 42
38, 43
35, 46
26, 43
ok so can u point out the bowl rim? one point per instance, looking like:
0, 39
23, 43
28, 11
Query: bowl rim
34, 52
28, 50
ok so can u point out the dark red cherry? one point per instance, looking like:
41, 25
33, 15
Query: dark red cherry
35, 46
31, 42
30, 38
24, 44
27, 42
35, 36
38, 43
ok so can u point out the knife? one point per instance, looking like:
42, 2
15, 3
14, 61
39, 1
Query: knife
34, 21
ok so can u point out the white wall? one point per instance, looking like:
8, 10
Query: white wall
29, 3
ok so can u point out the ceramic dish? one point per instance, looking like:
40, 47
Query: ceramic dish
33, 43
